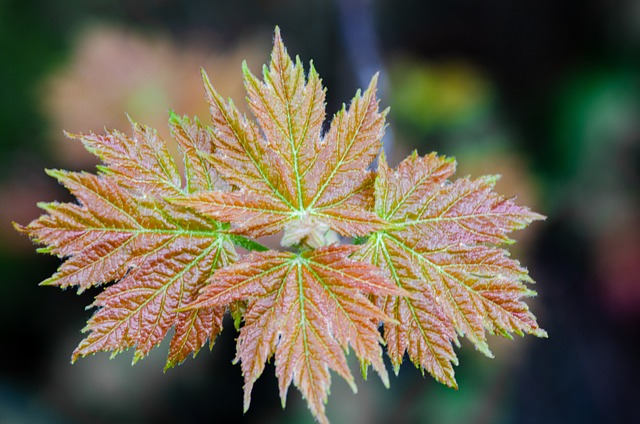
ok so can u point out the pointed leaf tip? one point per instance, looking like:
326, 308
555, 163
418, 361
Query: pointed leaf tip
174, 118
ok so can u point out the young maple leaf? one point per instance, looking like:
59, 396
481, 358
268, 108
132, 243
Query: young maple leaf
430, 267
440, 246
123, 230
306, 309
286, 173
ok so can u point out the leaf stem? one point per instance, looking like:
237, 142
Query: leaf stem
248, 244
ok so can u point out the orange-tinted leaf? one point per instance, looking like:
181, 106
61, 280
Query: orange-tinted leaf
123, 230
306, 309
422, 330
287, 174
438, 246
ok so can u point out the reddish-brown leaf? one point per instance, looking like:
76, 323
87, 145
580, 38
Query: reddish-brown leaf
439, 246
422, 328
306, 309
123, 230
286, 173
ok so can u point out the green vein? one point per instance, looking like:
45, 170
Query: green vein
349, 146
391, 266
477, 339
242, 142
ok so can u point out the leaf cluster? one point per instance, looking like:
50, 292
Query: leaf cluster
178, 249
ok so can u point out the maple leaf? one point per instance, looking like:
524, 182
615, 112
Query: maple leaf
306, 309
427, 262
286, 173
123, 230
440, 246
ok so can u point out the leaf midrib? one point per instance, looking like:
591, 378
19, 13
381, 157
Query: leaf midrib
164, 287
242, 142
414, 315
345, 153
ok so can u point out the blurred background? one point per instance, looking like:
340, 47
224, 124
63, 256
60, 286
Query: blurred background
544, 92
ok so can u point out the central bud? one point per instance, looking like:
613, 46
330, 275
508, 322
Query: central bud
309, 232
